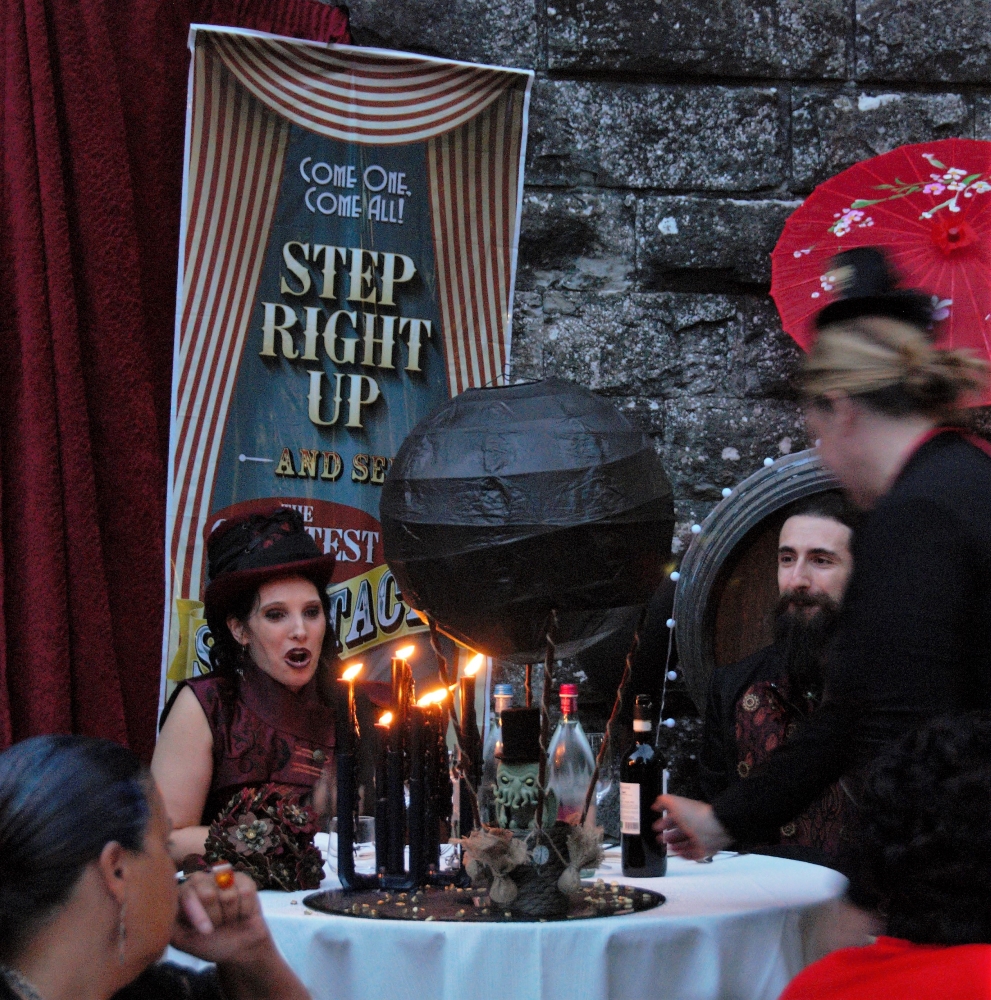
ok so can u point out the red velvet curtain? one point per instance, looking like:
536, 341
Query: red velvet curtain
91, 139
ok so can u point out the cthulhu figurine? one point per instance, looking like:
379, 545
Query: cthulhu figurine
517, 772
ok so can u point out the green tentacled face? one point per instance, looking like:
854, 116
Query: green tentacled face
516, 796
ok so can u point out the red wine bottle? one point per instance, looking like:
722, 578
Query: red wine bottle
640, 782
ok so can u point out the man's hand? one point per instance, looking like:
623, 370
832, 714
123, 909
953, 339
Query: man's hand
689, 828
219, 925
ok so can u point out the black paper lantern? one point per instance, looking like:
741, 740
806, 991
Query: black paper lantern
509, 502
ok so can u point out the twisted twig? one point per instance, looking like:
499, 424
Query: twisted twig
466, 761
441, 658
545, 715
616, 708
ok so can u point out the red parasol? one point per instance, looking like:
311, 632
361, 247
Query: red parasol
929, 207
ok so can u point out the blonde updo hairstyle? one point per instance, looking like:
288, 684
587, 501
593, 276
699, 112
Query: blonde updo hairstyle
891, 366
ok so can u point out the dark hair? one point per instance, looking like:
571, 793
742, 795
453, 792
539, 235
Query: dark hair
226, 651
922, 850
62, 800
831, 504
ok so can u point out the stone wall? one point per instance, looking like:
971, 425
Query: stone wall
668, 142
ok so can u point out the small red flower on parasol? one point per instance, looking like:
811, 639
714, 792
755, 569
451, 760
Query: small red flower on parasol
929, 207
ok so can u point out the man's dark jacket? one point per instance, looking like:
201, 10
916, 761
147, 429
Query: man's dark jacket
913, 639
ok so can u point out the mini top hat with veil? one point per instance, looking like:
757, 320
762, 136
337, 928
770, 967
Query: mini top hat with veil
243, 553
867, 285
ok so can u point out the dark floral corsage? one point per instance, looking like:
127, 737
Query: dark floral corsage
268, 834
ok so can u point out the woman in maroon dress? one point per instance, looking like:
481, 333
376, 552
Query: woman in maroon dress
263, 715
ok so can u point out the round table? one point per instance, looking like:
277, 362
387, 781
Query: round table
734, 929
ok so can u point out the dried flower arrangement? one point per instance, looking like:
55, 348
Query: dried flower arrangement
268, 834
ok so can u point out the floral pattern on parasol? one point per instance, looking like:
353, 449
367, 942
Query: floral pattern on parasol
928, 206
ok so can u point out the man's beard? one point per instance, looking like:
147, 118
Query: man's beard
802, 640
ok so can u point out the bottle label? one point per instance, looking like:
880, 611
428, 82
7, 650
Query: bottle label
629, 808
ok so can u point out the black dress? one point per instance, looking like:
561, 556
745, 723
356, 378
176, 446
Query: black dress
162, 981
913, 640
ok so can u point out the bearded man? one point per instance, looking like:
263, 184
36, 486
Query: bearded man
756, 704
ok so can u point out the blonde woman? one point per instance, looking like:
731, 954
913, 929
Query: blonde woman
914, 636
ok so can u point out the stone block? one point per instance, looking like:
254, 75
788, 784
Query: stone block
711, 442
501, 33
833, 129
936, 42
982, 116
705, 241
767, 359
704, 138
526, 346
639, 345
748, 38
578, 241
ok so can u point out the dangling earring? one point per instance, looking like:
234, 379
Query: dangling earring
245, 658
122, 935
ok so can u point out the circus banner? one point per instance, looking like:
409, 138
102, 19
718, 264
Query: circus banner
348, 249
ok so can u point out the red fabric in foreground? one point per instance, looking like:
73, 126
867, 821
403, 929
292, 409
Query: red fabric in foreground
91, 140
897, 969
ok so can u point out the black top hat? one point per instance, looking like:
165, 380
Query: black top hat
520, 736
867, 286
243, 553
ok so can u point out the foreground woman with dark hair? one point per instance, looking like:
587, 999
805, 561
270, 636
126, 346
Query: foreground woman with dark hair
924, 857
88, 895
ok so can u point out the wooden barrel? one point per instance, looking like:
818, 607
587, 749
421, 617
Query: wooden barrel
725, 598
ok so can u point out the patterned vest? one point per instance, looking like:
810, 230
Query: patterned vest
766, 715
263, 733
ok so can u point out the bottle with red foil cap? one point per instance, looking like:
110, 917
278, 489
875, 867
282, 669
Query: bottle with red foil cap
570, 761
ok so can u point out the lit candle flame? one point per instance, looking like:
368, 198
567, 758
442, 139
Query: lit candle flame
474, 665
432, 698
405, 653
385, 719
352, 672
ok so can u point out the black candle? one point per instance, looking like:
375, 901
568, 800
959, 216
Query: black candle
429, 791
441, 805
417, 856
402, 687
346, 791
395, 810
471, 739
351, 732
382, 734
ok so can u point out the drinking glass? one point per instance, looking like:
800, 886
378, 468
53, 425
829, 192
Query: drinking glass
605, 781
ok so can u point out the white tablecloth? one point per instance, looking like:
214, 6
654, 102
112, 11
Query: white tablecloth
731, 930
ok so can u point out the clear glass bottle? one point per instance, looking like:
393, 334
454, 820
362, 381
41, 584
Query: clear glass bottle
641, 780
503, 697
570, 761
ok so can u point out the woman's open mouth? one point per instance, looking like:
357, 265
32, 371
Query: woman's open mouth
298, 657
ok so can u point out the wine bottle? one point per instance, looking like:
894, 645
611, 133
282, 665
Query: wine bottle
570, 761
640, 782
503, 697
